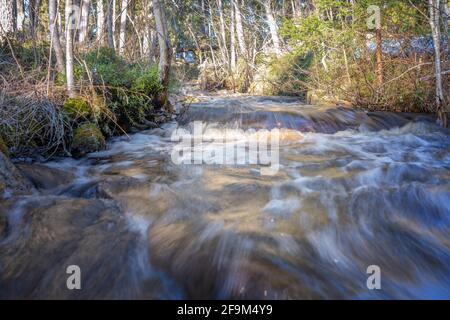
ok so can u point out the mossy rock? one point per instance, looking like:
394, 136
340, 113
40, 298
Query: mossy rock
4, 147
87, 138
77, 108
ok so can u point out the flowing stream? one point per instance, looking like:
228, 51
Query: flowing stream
353, 189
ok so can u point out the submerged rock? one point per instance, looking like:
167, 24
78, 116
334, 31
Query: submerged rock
44, 177
53, 233
11, 181
107, 188
86, 139
110, 187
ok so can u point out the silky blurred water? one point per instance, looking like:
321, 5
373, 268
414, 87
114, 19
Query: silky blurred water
354, 189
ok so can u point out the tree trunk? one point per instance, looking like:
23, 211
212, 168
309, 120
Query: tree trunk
153, 50
232, 42
114, 22
100, 21
20, 15
273, 28
149, 43
436, 32
165, 53
70, 27
123, 26
233, 48
445, 23
223, 37
54, 34
239, 28
7, 17
34, 6
294, 11
379, 56
110, 23
84, 20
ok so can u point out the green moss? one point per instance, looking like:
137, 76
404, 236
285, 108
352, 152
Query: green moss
77, 108
87, 138
3, 147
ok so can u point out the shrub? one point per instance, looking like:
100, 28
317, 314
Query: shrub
129, 89
286, 75
146, 81
30, 54
108, 68
31, 125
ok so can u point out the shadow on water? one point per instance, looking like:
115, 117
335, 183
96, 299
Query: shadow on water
354, 189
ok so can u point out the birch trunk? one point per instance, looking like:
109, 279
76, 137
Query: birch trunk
20, 15
273, 28
123, 26
83, 20
223, 37
114, 21
70, 26
100, 21
232, 42
239, 28
434, 6
7, 17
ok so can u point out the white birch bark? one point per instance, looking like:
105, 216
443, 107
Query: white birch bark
232, 41
123, 26
273, 27
239, 28
84, 20
20, 15
100, 20
434, 8
70, 27
7, 17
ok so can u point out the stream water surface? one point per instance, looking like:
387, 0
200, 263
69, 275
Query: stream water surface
353, 189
